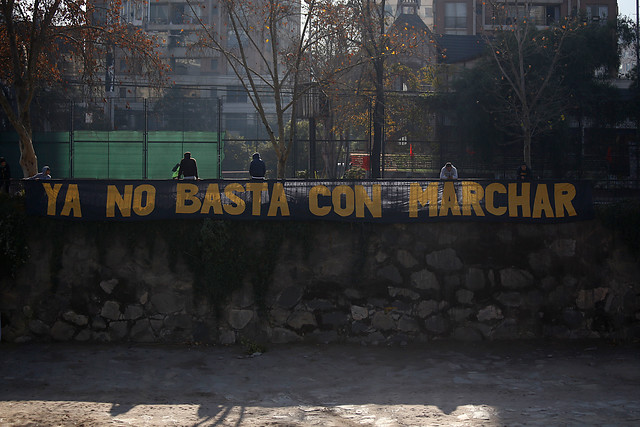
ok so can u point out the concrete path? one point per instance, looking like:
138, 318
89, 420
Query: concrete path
440, 383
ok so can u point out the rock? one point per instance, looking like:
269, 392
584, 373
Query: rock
459, 314
490, 312
84, 335
108, 285
426, 308
290, 297
76, 319
464, 296
407, 293
300, 319
405, 259
62, 331
133, 312
284, 336
111, 310
141, 331
436, 324
588, 297
238, 319
227, 337
359, 313
513, 278
167, 303
446, 260
38, 327
390, 273
474, 279
424, 279
382, 321
279, 316
564, 247
181, 321
333, 320
118, 330
408, 324
509, 299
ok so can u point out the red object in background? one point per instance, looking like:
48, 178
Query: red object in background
411, 150
609, 155
360, 161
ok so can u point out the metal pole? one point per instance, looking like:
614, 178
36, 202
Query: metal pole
145, 142
219, 138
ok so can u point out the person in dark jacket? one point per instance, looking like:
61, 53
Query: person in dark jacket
523, 173
257, 168
188, 167
5, 175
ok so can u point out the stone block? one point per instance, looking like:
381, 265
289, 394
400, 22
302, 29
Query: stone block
445, 260
118, 330
391, 274
38, 327
406, 259
426, 308
490, 313
474, 280
238, 319
284, 336
408, 324
133, 312
111, 310
514, 278
383, 321
62, 331
436, 324
300, 319
424, 279
290, 297
464, 296
359, 313
108, 285
167, 303
402, 292
76, 319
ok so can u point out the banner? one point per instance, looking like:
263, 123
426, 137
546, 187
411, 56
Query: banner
370, 201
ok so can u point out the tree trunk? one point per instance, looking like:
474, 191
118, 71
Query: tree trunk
28, 158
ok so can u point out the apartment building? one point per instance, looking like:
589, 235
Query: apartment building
471, 17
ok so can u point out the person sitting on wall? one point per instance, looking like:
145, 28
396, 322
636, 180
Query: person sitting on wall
523, 173
45, 174
257, 168
449, 172
188, 167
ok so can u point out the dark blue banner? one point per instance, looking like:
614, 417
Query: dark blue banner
372, 201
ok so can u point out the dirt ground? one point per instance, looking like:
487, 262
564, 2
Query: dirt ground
453, 384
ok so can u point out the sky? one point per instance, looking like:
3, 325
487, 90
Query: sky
627, 8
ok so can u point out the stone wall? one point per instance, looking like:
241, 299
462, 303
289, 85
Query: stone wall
364, 283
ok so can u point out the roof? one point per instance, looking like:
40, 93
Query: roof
456, 49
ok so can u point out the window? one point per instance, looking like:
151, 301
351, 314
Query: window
598, 13
428, 12
159, 13
455, 15
236, 94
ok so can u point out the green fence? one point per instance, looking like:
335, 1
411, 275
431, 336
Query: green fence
118, 154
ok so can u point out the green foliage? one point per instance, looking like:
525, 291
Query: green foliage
355, 173
14, 252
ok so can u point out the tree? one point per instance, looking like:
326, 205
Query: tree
36, 37
267, 43
527, 59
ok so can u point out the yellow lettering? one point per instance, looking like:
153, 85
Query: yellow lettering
114, 198
72, 202
256, 189
449, 200
564, 193
150, 199
212, 200
472, 193
374, 204
336, 198
278, 201
523, 199
237, 204
542, 203
489, 197
187, 193
314, 208
52, 195
428, 196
